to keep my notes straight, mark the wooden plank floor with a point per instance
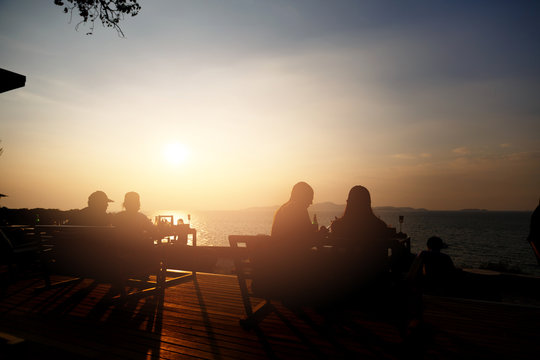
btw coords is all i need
(199, 320)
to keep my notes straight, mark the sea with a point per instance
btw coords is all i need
(476, 239)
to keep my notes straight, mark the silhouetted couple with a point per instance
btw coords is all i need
(354, 269)
(95, 214)
(300, 270)
(135, 231)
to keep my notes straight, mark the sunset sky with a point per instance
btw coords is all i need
(211, 104)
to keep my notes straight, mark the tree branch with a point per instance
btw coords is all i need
(109, 12)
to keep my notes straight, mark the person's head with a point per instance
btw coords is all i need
(359, 201)
(435, 243)
(302, 194)
(132, 201)
(98, 201)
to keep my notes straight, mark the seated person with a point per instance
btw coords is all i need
(131, 219)
(359, 225)
(292, 226)
(96, 212)
(362, 236)
(432, 269)
(286, 264)
(136, 232)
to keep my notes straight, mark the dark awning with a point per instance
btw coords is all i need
(10, 80)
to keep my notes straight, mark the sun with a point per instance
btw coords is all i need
(175, 153)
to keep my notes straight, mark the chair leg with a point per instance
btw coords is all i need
(259, 313)
(161, 276)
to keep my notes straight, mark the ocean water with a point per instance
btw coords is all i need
(475, 238)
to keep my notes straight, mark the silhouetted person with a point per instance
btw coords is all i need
(131, 219)
(437, 266)
(359, 226)
(96, 212)
(363, 235)
(361, 266)
(534, 232)
(286, 265)
(136, 232)
(433, 270)
(292, 225)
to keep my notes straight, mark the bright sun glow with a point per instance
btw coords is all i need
(175, 153)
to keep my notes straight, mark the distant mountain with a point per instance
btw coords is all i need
(338, 208)
(403, 209)
(327, 206)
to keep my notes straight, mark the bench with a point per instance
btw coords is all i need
(19, 250)
(245, 249)
(257, 304)
(103, 253)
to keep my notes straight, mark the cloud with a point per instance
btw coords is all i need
(461, 151)
(533, 156)
(409, 156)
(404, 156)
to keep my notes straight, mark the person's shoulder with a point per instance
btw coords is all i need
(117, 216)
(337, 224)
(286, 210)
(380, 222)
(77, 217)
(286, 207)
(142, 217)
(83, 211)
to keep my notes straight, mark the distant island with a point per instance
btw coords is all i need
(330, 206)
(403, 209)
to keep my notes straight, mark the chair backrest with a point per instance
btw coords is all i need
(15, 236)
(17, 239)
(246, 249)
(6, 245)
(79, 250)
(77, 238)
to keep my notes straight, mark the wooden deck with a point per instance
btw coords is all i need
(199, 320)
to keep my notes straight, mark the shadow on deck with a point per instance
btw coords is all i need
(199, 319)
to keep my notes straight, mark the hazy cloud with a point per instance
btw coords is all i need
(404, 156)
(461, 151)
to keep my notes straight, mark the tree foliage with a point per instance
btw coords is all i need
(109, 12)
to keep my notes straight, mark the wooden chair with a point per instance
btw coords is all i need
(99, 253)
(245, 250)
(18, 248)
